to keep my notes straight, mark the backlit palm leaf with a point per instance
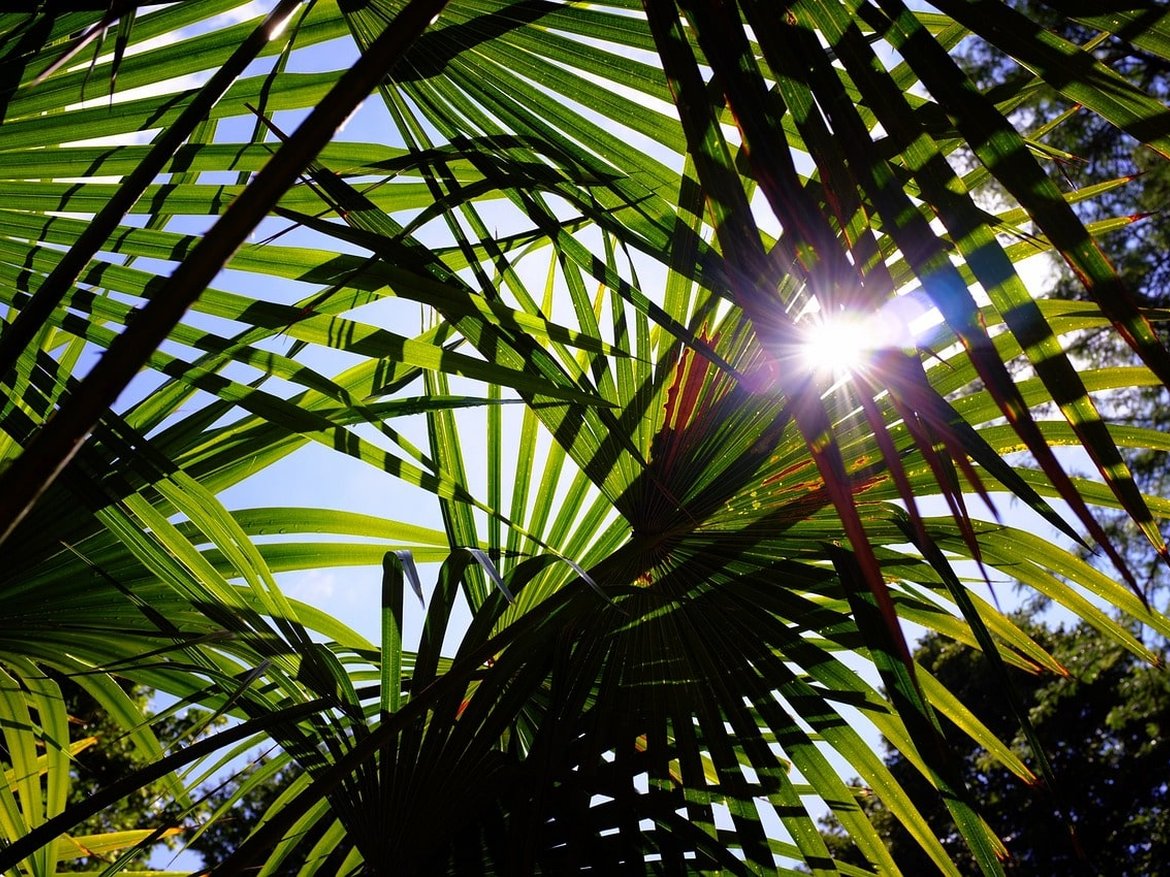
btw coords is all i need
(685, 554)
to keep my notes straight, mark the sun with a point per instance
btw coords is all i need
(841, 342)
(838, 345)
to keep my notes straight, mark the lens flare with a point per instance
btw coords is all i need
(843, 342)
(838, 345)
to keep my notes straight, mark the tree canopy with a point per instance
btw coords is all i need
(1130, 186)
(1104, 728)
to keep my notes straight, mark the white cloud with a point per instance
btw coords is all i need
(314, 586)
(173, 85)
(127, 138)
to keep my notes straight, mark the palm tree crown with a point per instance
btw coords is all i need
(675, 546)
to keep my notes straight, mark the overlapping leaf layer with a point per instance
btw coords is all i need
(676, 560)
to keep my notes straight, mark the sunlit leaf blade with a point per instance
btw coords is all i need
(557, 280)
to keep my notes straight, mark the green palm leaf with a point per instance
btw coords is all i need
(674, 560)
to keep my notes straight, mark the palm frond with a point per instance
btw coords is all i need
(674, 561)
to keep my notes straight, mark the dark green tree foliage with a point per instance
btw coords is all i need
(1106, 729)
(111, 758)
(225, 834)
(1091, 152)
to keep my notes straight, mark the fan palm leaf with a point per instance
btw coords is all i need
(675, 558)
